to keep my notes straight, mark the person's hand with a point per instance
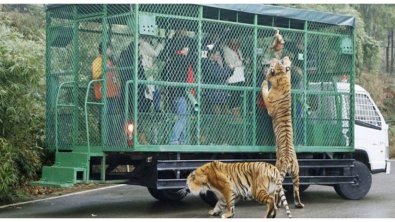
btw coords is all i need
(231, 66)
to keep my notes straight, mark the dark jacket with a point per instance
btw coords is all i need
(177, 71)
(127, 60)
(216, 75)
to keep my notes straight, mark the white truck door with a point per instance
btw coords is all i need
(371, 131)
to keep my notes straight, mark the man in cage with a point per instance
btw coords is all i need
(215, 72)
(112, 92)
(234, 59)
(178, 68)
(127, 61)
(149, 53)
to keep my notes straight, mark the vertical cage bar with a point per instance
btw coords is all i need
(304, 88)
(75, 73)
(49, 105)
(199, 72)
(254, 79)
(352, 93)
(135, 76)
(103, 117)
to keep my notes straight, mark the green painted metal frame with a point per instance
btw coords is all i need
(56, 113)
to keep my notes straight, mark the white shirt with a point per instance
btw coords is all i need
(148, 54)
(233, 60)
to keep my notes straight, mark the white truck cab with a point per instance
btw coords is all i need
(371, 131)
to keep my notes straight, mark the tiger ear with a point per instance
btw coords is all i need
(287, 61)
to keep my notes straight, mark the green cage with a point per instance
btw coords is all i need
(147, 106)
(321, 50)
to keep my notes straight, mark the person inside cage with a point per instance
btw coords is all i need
(149, 53)
(143, 104)
(215, 72)
(112, 91)
(234, 59)
(167, 54)
(178, 68)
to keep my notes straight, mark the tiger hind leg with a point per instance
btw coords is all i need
(295, 181)
(269, 200)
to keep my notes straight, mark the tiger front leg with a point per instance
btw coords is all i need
(265, 96)
(221, 204)
(230, 199)
(271, 208)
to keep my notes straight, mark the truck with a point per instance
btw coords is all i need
(340, 136)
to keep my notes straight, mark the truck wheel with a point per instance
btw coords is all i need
(209, 198)
(290, 188)
(167, 194)
(156, 194)
(360, 186)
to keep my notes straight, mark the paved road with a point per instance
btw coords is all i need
(125, 201)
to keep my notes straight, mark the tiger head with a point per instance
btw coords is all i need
(198, 181)
(278, 71)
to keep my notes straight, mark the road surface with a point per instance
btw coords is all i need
(125, 201)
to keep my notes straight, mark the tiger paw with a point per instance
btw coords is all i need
(214, 213)
(227, 215)
(299, 205)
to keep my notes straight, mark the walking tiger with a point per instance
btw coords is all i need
(233, 181)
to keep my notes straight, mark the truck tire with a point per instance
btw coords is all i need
(361, 185)
(209, 198)
(167, 195)
(155, 193)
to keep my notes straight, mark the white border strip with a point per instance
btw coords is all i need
(66, 195)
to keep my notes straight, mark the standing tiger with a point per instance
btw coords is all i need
(278, 103)
(233, 181)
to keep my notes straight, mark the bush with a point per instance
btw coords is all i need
(18, 167)
(22, 109)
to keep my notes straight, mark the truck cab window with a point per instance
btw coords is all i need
(365, 111)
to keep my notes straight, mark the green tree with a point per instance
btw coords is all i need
(22, 108)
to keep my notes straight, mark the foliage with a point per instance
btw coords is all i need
(22, 108)
(18, 167)
(379, 19)
(28, 19)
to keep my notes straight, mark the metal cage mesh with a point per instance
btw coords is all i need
(188, 98)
